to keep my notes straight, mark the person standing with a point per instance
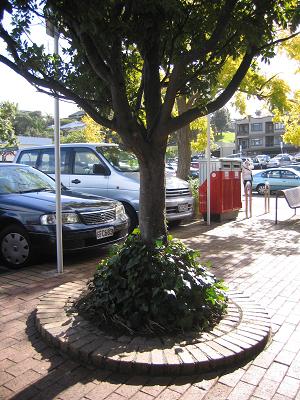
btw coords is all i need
(247, 172)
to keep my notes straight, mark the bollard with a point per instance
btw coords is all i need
(267, 197)
(248, 199)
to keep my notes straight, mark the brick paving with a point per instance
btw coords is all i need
(252, 255)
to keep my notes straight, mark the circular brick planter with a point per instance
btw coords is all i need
(241, 334)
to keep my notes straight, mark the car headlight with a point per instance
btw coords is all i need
(67, 218)
(120, 212)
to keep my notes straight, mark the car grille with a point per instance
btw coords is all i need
(171, 193)
(98, 217)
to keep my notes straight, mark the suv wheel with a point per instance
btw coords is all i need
(15, 247)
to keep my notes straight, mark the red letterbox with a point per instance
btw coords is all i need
(225, 195)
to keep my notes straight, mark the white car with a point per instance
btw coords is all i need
(280, 160)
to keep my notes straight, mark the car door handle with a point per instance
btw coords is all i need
(76, 181)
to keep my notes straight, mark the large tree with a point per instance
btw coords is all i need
(126, 62)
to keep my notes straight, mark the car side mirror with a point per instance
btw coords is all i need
(99, 169)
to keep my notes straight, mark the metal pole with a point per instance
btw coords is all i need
(267, 197)
(59, 247)
(208, 171)
(248, 200)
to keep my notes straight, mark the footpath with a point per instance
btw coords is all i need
(251, 254)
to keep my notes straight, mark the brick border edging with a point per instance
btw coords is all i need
(240, 335)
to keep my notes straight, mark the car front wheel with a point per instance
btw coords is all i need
(15, 247)
(261, 189)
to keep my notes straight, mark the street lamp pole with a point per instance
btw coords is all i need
(59, 246)
(52, 31)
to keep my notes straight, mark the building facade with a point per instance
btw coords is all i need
(260, 135)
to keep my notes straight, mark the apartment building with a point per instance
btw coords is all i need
(260, 135)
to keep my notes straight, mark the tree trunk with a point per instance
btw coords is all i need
(184, 144)
(184, 152)
(152, 215)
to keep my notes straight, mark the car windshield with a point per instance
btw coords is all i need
(21, 179)
(121, 160)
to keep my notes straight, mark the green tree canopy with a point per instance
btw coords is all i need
(291, 121)
(7, 116)
(126, 62)
(220, 120)
(32, 123)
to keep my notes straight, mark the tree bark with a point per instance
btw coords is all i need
(152, 215)
(184, 144)
(184, 152)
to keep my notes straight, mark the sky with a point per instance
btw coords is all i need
(16, 89)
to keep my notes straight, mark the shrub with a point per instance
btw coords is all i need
(153, 291)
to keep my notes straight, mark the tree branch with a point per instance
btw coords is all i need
(277, 41)
(139, 94)
(95, 60)
(196, 112)
(57, 87)
(174, 83)
(221, 25)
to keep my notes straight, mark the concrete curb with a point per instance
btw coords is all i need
(240, 335)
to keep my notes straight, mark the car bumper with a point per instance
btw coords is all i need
(179, 208)
(77, 239)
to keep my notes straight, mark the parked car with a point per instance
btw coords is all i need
(295, 166)
(107, 170)
(279, 160)
(297, 157)
(171, 170)
(260, 161)
(278, 179)
(28, 222)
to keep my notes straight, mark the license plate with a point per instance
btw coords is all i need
(183, 207)
(105, 232)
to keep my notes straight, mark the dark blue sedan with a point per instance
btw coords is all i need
(27, 216)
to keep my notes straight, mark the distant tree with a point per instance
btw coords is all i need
(220, 120)
(32, 123)
(200, 144)
(7, 132)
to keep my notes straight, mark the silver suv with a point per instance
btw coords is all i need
(107, 170)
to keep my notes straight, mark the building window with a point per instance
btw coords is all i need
(256, 142)
(278, 126)
(269, 141)
(256, 127)
(277, 140)
(243, 143)
(269, 127)
(243, 128)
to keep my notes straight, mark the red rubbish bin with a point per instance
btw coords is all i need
(225, 192)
